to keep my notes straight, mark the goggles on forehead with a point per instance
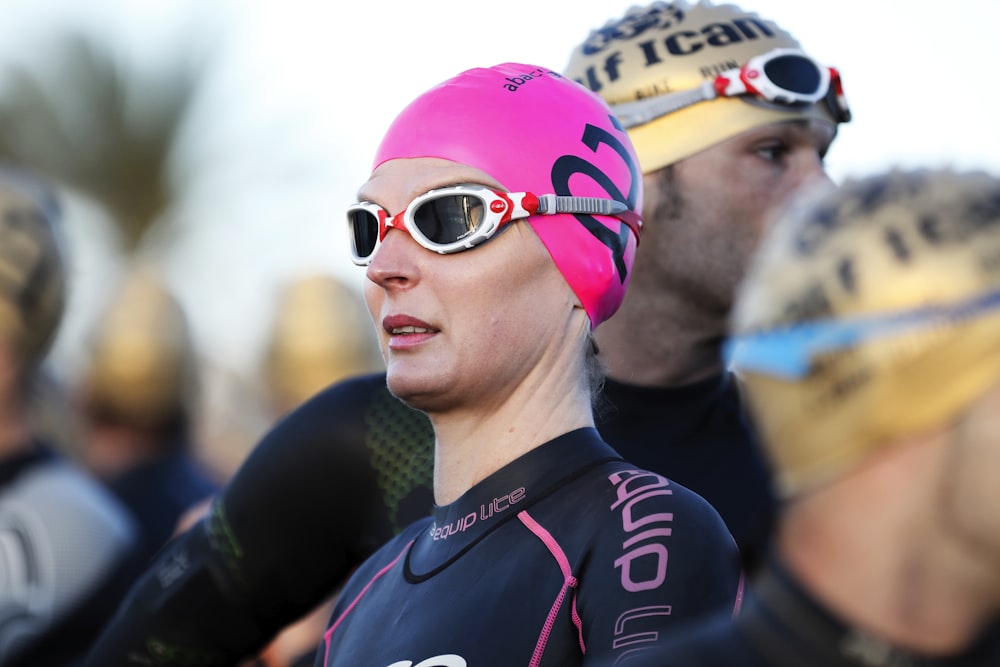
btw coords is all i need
(785, 77)
(456, 218)
(790, 353)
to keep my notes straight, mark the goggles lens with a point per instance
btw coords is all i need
(786, 77)
(457, 218)
(364, 228)
(795, 74)
(449, 219)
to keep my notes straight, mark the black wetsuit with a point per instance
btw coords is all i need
(566, 556)
(697, 435)
(328, 485)
(781, 625)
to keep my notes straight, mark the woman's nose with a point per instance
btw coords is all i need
(396, 259)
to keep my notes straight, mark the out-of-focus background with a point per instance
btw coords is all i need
(220, 140)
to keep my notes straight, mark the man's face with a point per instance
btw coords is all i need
(706, 213)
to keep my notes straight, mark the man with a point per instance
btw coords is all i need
(66, 547)
(867, 334)
(713, 164)
(250, 568)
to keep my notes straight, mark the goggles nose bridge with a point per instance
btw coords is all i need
(388, 221)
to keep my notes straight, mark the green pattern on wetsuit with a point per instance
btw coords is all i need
(222, 537)
(401, 441)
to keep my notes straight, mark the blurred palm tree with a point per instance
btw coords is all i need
(83, 119)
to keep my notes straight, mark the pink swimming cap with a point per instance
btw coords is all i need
(534, 130)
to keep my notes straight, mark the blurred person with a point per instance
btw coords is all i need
(67, 548)
(729, 117)
(138, 399)
(867, 337)
(317, 333)
(320, 334)
(356, 446)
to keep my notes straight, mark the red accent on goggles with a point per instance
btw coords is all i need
(786, 77)
(456, 218)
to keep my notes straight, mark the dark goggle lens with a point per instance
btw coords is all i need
(364, 231)
(449, 219)
(794, 73)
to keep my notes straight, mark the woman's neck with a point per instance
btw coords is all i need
(472, 444)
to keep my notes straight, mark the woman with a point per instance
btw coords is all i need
(544, 548)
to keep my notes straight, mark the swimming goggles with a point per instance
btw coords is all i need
(785, 77)
(459, 217)
(790, 353)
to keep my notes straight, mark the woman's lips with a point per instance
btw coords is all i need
(406, 331)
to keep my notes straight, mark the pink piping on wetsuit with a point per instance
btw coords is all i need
(569, 581)
(356, 600)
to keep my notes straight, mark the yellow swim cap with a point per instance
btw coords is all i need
(871, 312)
(668, 48)
(321, 334)
(32, 267)
(143, 368)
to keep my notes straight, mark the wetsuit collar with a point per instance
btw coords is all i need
(457, 527)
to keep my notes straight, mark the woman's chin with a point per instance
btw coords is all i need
(417, 387)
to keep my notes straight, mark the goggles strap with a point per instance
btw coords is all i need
(835, 99)
(640, 112)
(552, 204)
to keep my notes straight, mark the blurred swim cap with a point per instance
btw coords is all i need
(667, 47)
(32, 266)
(143, 368)
(534, 130)
(321, 334)
(871, 313)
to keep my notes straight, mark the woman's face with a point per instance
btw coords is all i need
(461, 331)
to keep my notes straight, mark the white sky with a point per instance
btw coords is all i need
(300, 91)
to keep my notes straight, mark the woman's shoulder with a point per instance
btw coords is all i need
(632, 492)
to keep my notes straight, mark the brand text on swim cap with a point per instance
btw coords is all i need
(684, 43)
(515, 82)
